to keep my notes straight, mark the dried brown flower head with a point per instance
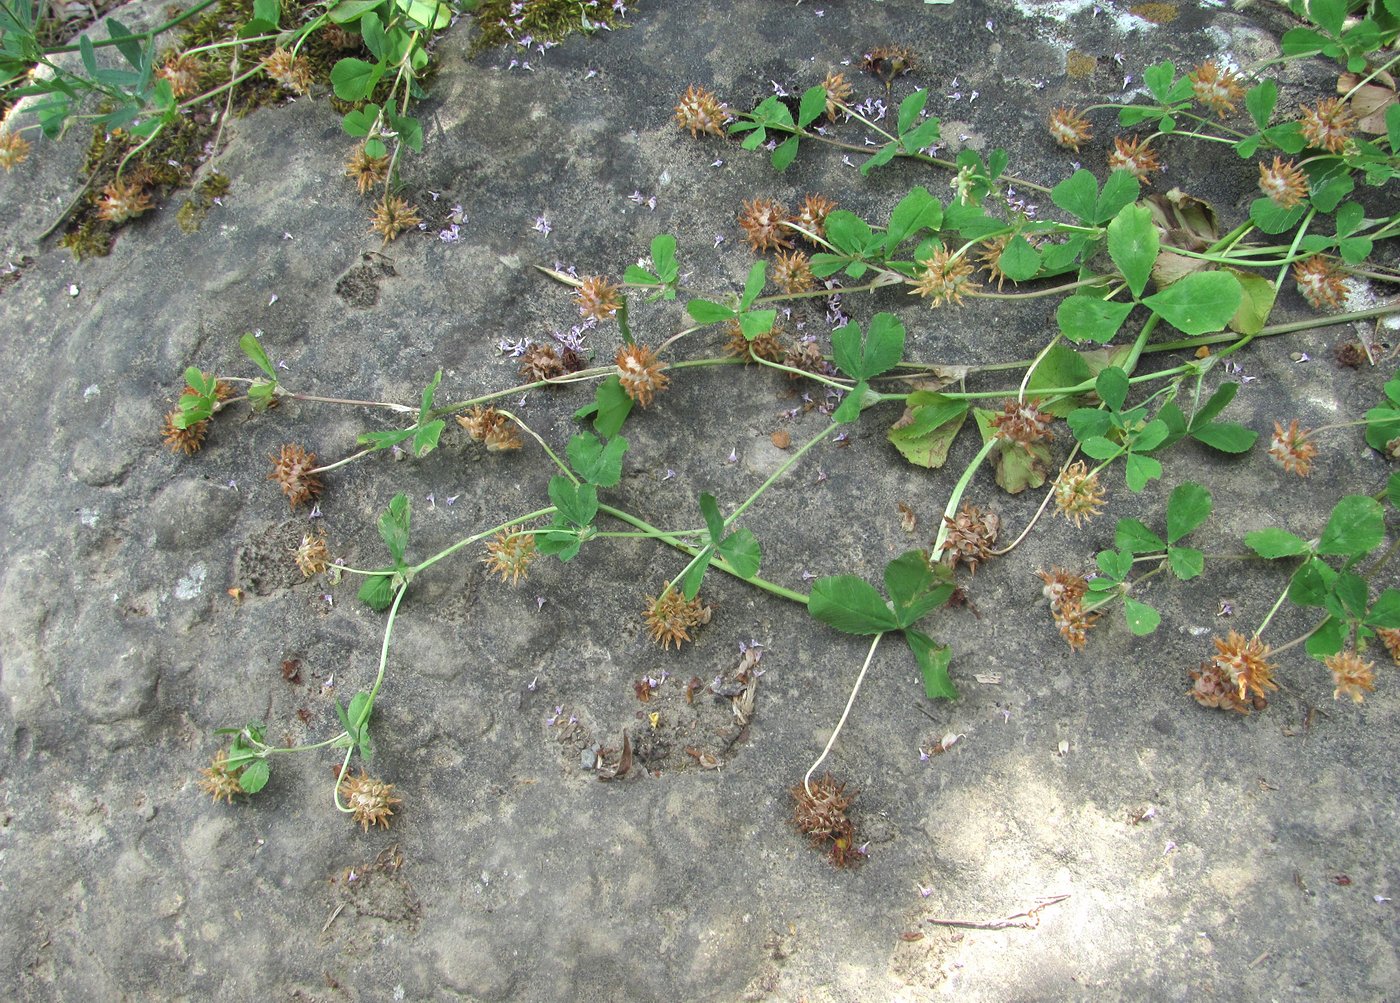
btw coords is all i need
(1351, 675)
(182, 72)
(14, 150)
(509, 555)
(1328, 125)
(819, 812)
(182, 440)
(218, 781)
(1390, 637)
(640, 372)
(392, 216)
(885, 62)
(1218, 89)
(1283, 183)
(989, 258)
(768, 345)
(294, 469)
(1023, 422)
(1350, 354)
(489, 426)
(700, 111)
(838, 89)
(1245, 663)
(312, 555)
(1320, 282)
(1078, 494)
(1074, 624)
(1063, 586)
(1293, 448)
(121, 201)
(1069, 128)
(368, 799)
(598, 299)
(1211, 688)
(792, 272)
(812, 213)
(971, 534)
(807, 356)
(366, 171)
(672, 617)
(1134, 156)
(944, 278)
(291, 71)
(762, 220)
(540, 362)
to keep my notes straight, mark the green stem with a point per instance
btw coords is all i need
(950, 509)
(543, 445)
(850, 702)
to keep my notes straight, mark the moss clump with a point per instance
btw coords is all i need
(197, 206)
(539, 20)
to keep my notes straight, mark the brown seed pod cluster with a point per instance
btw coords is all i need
(819, 812)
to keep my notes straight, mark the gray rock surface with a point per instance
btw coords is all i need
(509, 873)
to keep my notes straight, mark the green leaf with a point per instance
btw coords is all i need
(351, 10)
(1273, 543)
(384, 440)
(1311, 583)
(1226, 436)
(372, 32)
(597, 463)
(849, 408)
(933, 421)
(393, 526)
(1019, 261)
(254, 776)
(1329, 639)
(1302, 42)
(1328, 192)
(1112, 387)
(916, 588)
(1098, 447)
(360, 121)
(705, 312)
(1018, 468)
(1133, 244)
(1260, 101)
(1355, 527)
(1385, 613)
(742, 552)
(1188, 507)
(1062, 366)
(1328, 15)
(1382, 426)
(1088, 318)
(1392, 490)
(714, 521)
(1115, 564)
(609, 409)
(1121, 189)
(409, 129)
(878, 351)
(847, 232)
(1135, 538)
(267, 10)
(916, 211)
(1256, 303)
(1199, 303)
(1271, 217)
(1186, 562)
(909, 110)
(1139, 469)
(851, 605)
(1352, 590)
(663, 257)
(812, 105)
(1158, 77)
(695, 574)
(253, 348)
(1218, 401)
(757, 322)
(428, 13)
(354, 79)
(880, 158)
(1142, 618)
(577, 503)
(377, 592)
(934, 660)
(1077, 195)
(425, 437)
(784, 154)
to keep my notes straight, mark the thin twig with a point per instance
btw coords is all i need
(1028, 919)
(334, 914)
